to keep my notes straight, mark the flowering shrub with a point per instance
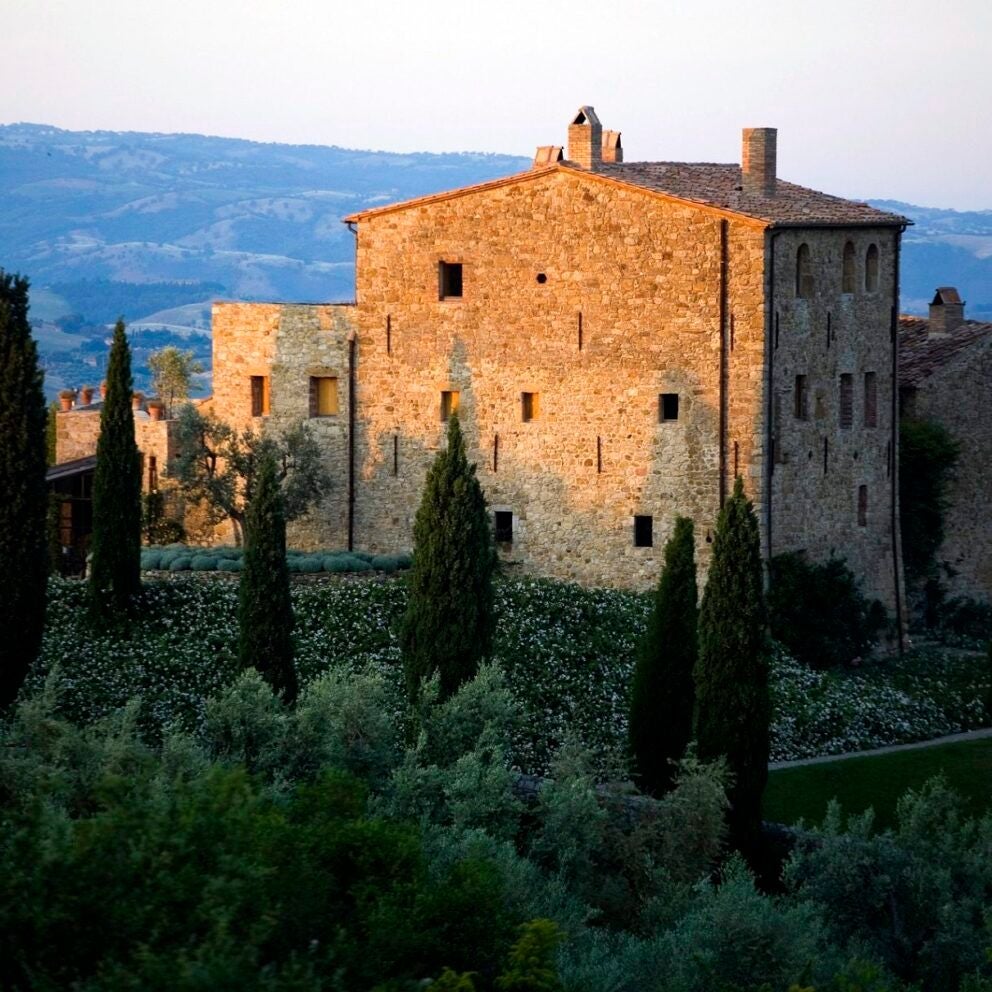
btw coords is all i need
(567, 654)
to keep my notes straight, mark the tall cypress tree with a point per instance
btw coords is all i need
(450, 618)
(662, 693)
(265, 611)
(733, 708)
(23, 499)
(115, 573)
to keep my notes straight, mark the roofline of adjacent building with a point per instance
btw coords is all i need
(572, 170)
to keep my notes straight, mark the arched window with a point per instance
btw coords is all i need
(847, 278)
(871, 269)
(804, 273)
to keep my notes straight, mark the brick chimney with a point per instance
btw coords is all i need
(612, 149)
(758, 160)
(946, 312)
(585, 139)
(547, 155)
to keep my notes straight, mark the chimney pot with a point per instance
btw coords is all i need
(585, 139)
(66, 396)
(136, 400)
(946, 312)
(86, 395)
(758, 160)
(103, 390)
(155, 409)
(612, 149)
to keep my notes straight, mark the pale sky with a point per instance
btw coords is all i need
(872, 98)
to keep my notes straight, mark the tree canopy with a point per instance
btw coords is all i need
(172, 372)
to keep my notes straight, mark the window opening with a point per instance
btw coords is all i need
(804, 273)
(261, 396)
(871, 269)
(801, 398)
(847, 275)
(599, 455)
(396, 454)
(871, 400)
(449, 404)
(731, 332)
(580, 330)
(449, 280)
(826, 455)
(736, 459)
(846, 401)
(495, 452)
(668, 406)
(530, 404)
(643, 532)
(152, 473)
(829, 328)
(323, 396)
(504, 527)
(389, 334)
(542, 278)
(862, 506)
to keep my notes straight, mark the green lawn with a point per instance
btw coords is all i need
(879, 782)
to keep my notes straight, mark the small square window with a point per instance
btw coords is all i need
(530, 406)
(323, 396)
(668, 406)
(261, 396)
(643, 532)
(449, 280)
(449, 404)
(504, 527)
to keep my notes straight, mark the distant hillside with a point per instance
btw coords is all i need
(152, 227)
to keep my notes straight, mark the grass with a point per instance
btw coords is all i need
(879, 781)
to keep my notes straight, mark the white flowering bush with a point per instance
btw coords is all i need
(567, 655)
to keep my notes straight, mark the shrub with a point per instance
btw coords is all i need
(819, 612)
(311, 564)
(229, 564)
(337, 563)
(151, 560)
(385, 563)
(203, 563)
(356, 564)
(181, 563)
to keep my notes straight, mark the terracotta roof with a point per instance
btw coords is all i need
(717, 187)
(920, 355)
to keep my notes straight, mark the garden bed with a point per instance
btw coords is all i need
(568, 654)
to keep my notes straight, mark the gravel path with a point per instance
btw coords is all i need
(968, 735)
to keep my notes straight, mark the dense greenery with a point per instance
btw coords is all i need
(225, 558)
(662, 696)
(449, 621)
(218, 465)
(265, 611)
(927, 454)
(733, 709)
(819, 613)
(115, 577)
(23, 499)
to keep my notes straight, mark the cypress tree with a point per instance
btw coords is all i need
(449, 621)
(115, 573)
(662, 694)
(732, 700)
(23, 499)
(265, 611)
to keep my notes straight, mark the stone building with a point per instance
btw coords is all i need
(945, 368)
(620, 341)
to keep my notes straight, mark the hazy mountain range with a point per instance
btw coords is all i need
(152, 227)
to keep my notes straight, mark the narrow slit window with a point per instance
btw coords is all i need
(801, 398)
(643, 532)
(449, 404)
(804, 273)
(152, 474)
(848, 280)
(862, 506)
(846, 401)
(449, 280)
(530, 406)
(871, 400)
(871, 269)
(504, 527)
(323, 396)
(261, 396)
(668, 406)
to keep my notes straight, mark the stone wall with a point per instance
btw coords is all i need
(819, 465)
(959, 396)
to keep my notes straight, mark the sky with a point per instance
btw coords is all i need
(872, 98)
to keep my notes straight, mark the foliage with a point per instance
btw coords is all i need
(115, 578)
(23, 499)
(927, 455)
(219, 466)
(915, 899)
(818, 611)
(172, 372)
(662, 694)
(531, 964)
(265, 611)
(51, 433)
(156, 526)
(449, 621)
(733, 709)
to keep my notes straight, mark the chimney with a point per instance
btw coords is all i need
(758, 160)
(103, 390)
(612, 149)
(136, 400)
(585, 139)
(66, 396)
(155, 409)
(547, 155)
(86, 394)
(946, 312)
